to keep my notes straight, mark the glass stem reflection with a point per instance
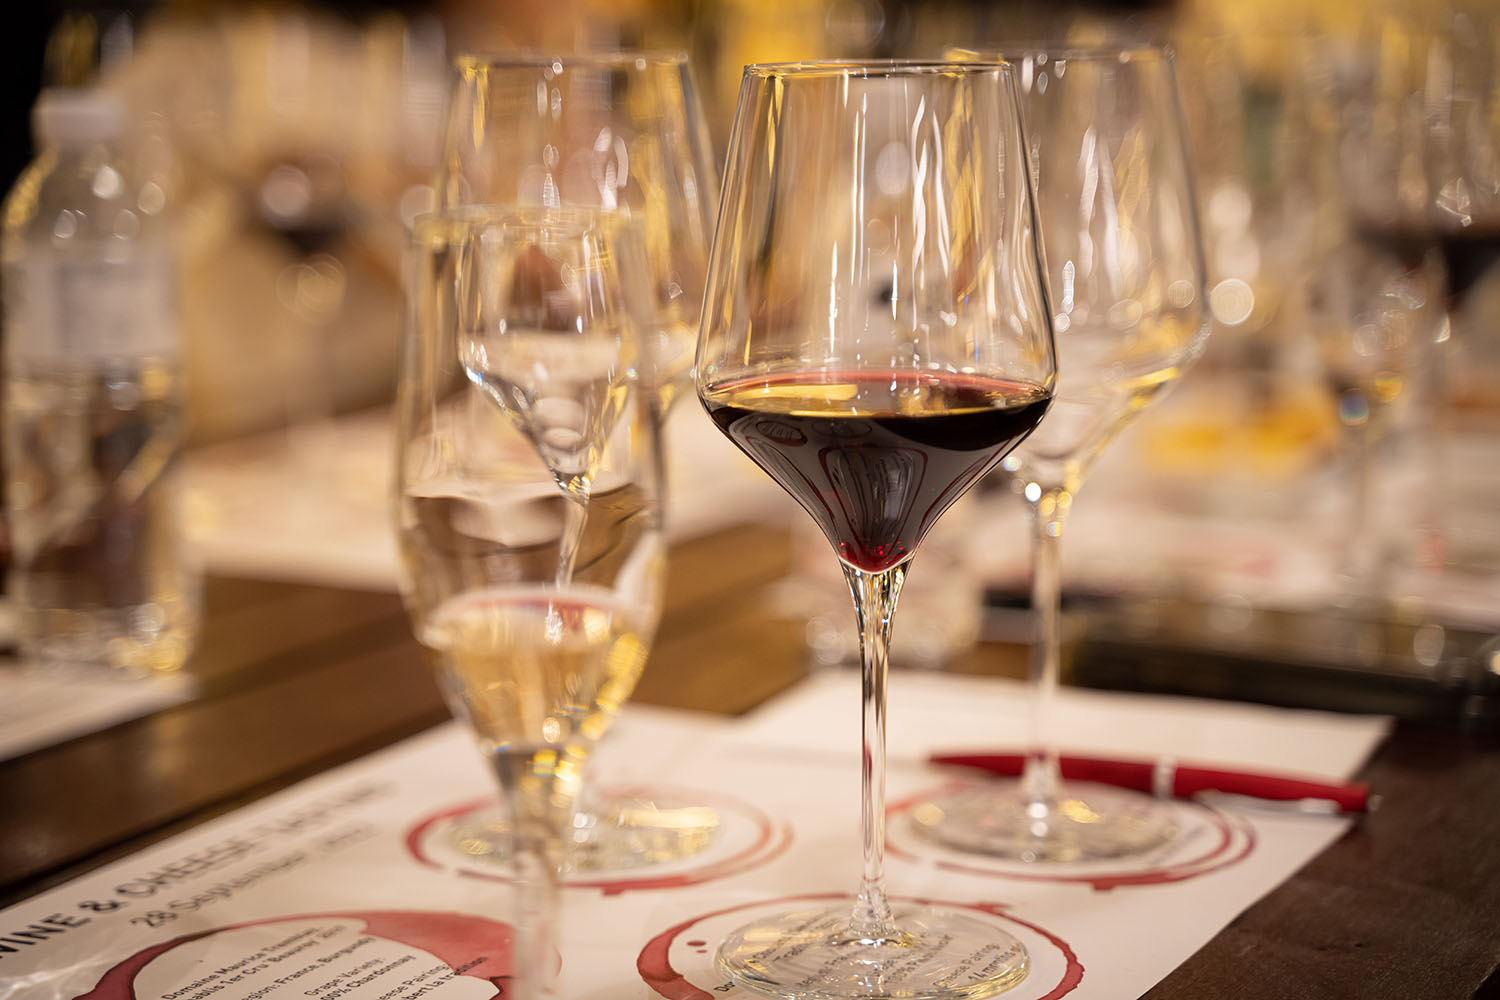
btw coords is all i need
(875, 596)
(538, 805)
(1042, 779)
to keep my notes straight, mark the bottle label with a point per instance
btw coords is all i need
(88, 307)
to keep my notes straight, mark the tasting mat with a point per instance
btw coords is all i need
(354, 884)
(942, 712)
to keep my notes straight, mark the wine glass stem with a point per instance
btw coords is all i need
(575, 518)
(659, 407)
(1365, 555)
(536, 859)
(875, 596)
(1042, 780)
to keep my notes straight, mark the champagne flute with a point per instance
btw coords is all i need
(875, 337)
(1125, 269)
(621, 132)
(518, 386)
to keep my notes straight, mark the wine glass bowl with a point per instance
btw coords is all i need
(1125, 269)
(876, 337)
(528, 510)
(1125, 264)
(616, 131)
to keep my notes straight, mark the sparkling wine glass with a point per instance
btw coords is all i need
(1126, 275)
(875, 337)
(621, 132)
(519, 391)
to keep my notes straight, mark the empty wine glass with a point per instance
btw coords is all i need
(620, 132)
(875, 337)
(1125, 269)
(616, 131)
(518, 394)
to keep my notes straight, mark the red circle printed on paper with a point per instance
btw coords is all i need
(655, 964)
(482, 948)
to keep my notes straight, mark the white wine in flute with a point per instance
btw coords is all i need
(538, 672)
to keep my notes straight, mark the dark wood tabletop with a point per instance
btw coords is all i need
(295, 679)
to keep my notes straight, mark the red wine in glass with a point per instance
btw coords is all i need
(876, 456)
(1468, 251)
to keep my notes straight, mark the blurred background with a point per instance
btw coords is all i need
(1337, 449)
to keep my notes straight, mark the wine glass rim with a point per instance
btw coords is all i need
(871, 68)
(612, 59)
(1062, 52)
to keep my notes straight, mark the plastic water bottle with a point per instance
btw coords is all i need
(93, 418)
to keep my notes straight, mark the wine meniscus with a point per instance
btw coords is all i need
(876, 456)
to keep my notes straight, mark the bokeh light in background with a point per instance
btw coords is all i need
(296, 142)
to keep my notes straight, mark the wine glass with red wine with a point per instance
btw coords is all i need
(876, 337)
(1126, 274)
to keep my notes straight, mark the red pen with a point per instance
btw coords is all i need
(1166, 778)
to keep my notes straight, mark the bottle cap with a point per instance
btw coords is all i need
(73, 116)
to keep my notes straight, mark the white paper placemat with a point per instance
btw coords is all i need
(352, 884)
(941, 712)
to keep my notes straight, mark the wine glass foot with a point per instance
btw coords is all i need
(939, 953)
(615, 835)
(625, 833)
(1093, 823)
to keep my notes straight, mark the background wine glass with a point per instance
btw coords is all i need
(1417, 149)
(1376, 308)
(1126, 274)
(516, 390)
(298, 189)
(875, 337)
(621, 132)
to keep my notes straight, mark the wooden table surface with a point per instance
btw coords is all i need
(296, 679)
